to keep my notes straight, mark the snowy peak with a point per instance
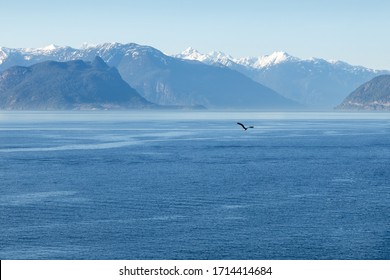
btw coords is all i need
(110, 52)
(215, 57)
(47, 50)
(131, 49)
(273, 59)
(50, 47)
(191, 54)
(212, 58)
(222, 58)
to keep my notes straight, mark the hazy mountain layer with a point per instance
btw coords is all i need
(314, 82)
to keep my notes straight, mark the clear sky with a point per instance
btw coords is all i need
(354, 31)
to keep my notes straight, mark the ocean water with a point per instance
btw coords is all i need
(194, 185)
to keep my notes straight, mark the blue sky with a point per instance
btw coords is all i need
(352, 31)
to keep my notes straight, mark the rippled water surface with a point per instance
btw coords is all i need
(163, 185)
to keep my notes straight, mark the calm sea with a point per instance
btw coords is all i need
(194, 185)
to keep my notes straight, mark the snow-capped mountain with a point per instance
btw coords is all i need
(110, 52)
(266, 60)
(163, 79)
(215, 57)
(8, 56)
(314, 82)
(210, 58)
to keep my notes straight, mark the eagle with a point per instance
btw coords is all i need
(244, 127)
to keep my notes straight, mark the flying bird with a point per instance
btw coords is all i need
(244, 127)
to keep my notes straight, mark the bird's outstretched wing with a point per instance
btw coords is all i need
(251, 127)
(243, 126)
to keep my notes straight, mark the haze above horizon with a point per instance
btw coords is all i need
(350, 31)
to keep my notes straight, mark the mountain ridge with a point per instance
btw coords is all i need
(315, 82)
(163, 79)
(220, 57)
(72, 85)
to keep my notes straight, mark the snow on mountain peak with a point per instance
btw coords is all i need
(3, 55)
(189, 51)
(192, 54)
(213, 57)
(216, 57)
(266, 60)
(274, 58)
(106, 46)
(49, 48)
(220, 55)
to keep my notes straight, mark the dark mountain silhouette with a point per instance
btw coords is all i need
(373, 95)
(75, 84)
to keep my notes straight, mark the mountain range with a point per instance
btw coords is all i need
(316, 83)
(214, 80)
(76, 84)
(163, 79)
